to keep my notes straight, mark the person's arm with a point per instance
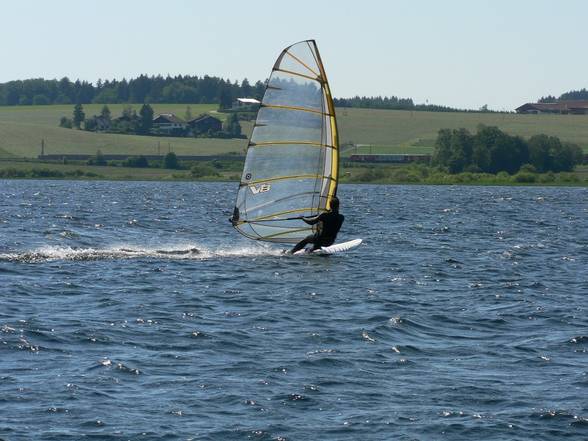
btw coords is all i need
(312, 220)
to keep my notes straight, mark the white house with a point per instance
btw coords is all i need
(168, 122)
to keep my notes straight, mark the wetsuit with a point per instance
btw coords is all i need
(330, 224)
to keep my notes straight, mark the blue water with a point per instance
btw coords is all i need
(462, 317)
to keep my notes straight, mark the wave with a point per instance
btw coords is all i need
(189, 251)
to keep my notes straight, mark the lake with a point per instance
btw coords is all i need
(463, 316)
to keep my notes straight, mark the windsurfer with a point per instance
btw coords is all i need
(329, 224)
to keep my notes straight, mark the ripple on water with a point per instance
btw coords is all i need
(143, 315)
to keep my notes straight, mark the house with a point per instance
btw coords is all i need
(168, 123)
(579, 107)
(205, 124)
(245, 105)
(102, 123)
(125, 117)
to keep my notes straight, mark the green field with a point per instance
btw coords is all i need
(397, 131)
(376, 131)
(23, 127)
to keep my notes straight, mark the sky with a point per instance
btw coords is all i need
(456, 53)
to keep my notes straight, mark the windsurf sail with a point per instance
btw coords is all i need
(292, 163)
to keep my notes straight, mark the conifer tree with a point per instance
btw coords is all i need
(78, 115)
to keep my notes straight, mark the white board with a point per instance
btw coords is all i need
(333, 249)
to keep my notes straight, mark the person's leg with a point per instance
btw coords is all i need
(322, 242)
(303, 243)
(316, 245)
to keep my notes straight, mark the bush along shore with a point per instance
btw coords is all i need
(423, 174)
(230, 170)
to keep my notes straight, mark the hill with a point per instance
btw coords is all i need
(23, 127)
(397, 131)
(379, 131)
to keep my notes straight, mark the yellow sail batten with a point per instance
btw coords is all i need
(301, 109)
(302, 62)
(282, 178)
(282, 233)
(283, 213)
(305, 143)
(297, 74)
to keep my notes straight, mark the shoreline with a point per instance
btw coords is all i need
(230, 171)
(342, 182)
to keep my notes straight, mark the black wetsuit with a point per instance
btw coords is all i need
(330, 225)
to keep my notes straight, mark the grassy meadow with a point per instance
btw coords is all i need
(361, 131)
(23, 127)
(375, 131)
(399, 131)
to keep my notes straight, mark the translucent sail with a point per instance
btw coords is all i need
(292, 162)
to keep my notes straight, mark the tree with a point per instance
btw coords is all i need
(105, 112)
(107, 95)
(98, 159)
(548, 153)
(461, 149)
(146, 119)
(225, 98)
(40, 100)
(496, 151)
(139, 89)
(65, 123)
(78, 115)
(65, 89)
(136, 161)
(188, 114)
(122, 91)
(128, 112)
(490, 150)
(171, 161)
(90, 124)
(246, 88)
(232, 126)
(442, 151)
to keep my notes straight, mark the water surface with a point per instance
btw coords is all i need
(463, 316)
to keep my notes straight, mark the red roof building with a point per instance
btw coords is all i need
(560, 107)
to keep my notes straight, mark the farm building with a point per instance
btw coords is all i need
(561, 107)
(246, 104)
(390, 158)
(102, 123)
(168, 122)
(205, 124)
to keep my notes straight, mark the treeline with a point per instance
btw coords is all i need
(168, 161)
(572, 95)
(153, 89)
(376, 102)
(395, 103)
(42, 173)
(491, 150)
(180, 89)
(198, 169)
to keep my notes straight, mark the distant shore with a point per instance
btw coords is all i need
(416, 174)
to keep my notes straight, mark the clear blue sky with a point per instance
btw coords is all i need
(463, 53)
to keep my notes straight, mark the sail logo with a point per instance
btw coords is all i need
(256, 189)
